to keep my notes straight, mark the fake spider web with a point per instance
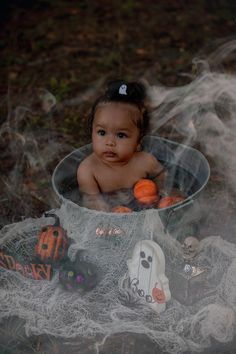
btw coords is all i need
(108, 308)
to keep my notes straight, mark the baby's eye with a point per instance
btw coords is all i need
(121, 135)
(101, 132)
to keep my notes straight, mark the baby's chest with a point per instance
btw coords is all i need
(111, 180)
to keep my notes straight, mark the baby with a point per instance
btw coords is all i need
(118, 121)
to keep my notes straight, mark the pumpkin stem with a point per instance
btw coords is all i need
(57, 220)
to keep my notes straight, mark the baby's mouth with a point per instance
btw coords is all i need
(109, 154)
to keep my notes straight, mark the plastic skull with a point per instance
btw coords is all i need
(190, 247)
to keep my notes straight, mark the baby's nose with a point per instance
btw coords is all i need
(110, 141)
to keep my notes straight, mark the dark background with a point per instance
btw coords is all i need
(70, 49)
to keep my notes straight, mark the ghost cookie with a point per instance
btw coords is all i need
(146, 272)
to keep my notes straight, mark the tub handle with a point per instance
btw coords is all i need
(173, 210)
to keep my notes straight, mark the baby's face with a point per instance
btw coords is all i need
(115, 134)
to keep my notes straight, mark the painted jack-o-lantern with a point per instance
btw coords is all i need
(52, 241)
(158, 295)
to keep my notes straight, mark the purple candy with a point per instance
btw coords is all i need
(79, 278)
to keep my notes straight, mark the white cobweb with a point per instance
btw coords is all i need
(109, 309)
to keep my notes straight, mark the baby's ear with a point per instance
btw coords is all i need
(139, 146)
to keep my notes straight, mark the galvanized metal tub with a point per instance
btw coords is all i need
(187, 168)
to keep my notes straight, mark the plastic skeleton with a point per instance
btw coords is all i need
(191, 247)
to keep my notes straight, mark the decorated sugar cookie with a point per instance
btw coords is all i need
(146, 271)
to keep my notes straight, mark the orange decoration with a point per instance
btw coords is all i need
(52, 242)
(146, 191)
(158, 295)
(170, 200)
(121, 209)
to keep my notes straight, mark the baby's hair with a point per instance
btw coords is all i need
(120, 91)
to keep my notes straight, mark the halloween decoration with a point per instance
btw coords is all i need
(121, 209)
(146, 274)
(52, 242)
(189, 283)
(36, 271)
(102, 231)
(165, 202)
(79, 274)
(189, 279)
(146, 191)
(190, 248)
(192, 271)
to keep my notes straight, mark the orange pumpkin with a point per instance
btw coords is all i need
(170, 200)
(121, 209)
(146, 191)
(52, 242)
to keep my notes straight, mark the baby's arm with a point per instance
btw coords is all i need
(90, 192)
(156, 171)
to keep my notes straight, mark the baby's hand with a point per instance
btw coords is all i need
(94, 201)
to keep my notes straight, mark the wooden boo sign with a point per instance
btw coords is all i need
(36, 271)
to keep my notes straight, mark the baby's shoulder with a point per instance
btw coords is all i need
(89, 160)
(147, 157)
(86, 164)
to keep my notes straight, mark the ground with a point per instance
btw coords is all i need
(67, 50)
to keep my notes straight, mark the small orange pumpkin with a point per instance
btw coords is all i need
(121, 209)
(169, 200)
(52, 241)
(146, 191)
